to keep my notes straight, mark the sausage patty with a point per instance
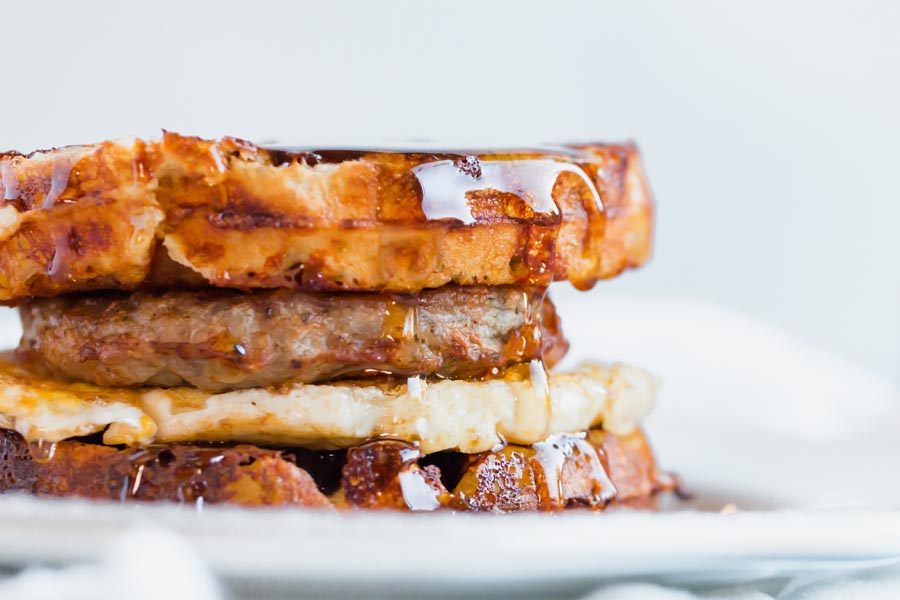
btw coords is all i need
(219, 340)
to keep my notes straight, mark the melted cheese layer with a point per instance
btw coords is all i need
(468, 416)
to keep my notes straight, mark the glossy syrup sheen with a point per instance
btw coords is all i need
(232, 214)
(544, 192)
(546, 461)
(463, 188)
(448, 191)
(449, 179)
(220, 341)
(563, 471)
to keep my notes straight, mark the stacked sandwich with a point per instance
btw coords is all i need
(213, 321)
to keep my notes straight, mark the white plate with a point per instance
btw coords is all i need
(804, 447)
(310, 554)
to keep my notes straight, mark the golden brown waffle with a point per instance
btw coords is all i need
(595, 470)
(186, 211)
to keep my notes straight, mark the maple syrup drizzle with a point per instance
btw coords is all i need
(137, 480)
(418, 495)
(42, 451)
(537, 369)
(449, 180)
(131, 483)
(410, 330)
(10, 181)
(216, 156)
(401, 318)
(539, 380)
(447, 184)
(59, 181)
(603, 485)
(549, 461)
(126, 488)
(189, 487)
(416, 387)
(552, 454)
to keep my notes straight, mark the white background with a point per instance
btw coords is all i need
(770, 129)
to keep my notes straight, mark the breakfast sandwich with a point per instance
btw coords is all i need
(211, 321)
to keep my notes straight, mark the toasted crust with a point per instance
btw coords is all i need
(77, 218)
(183, 210)
(594, 470)
(221, 340)
(244, 475)
(597, 471)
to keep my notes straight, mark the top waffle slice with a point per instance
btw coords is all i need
(183, 211)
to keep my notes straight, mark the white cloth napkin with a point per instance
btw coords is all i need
(746, 410)
(143, 564)
(874, 585)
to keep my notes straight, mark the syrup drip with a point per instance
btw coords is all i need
(409, 454)
(142, 226)
(539, 379)
(603, 485)
(137, 480)
(42, 451)
(552, 454)
(411, 323)
(526, 307)
(59, 181)
(395, 464)
(126, 487)
(418, 495)
(500, 446)
(526, 341)
(10, 182)
(216, 156)
(446, 184)
(131, 483)
(401, 319)
(450, 187)
(57, 264)
(190, 484)
(415, 387)
(138, 169)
